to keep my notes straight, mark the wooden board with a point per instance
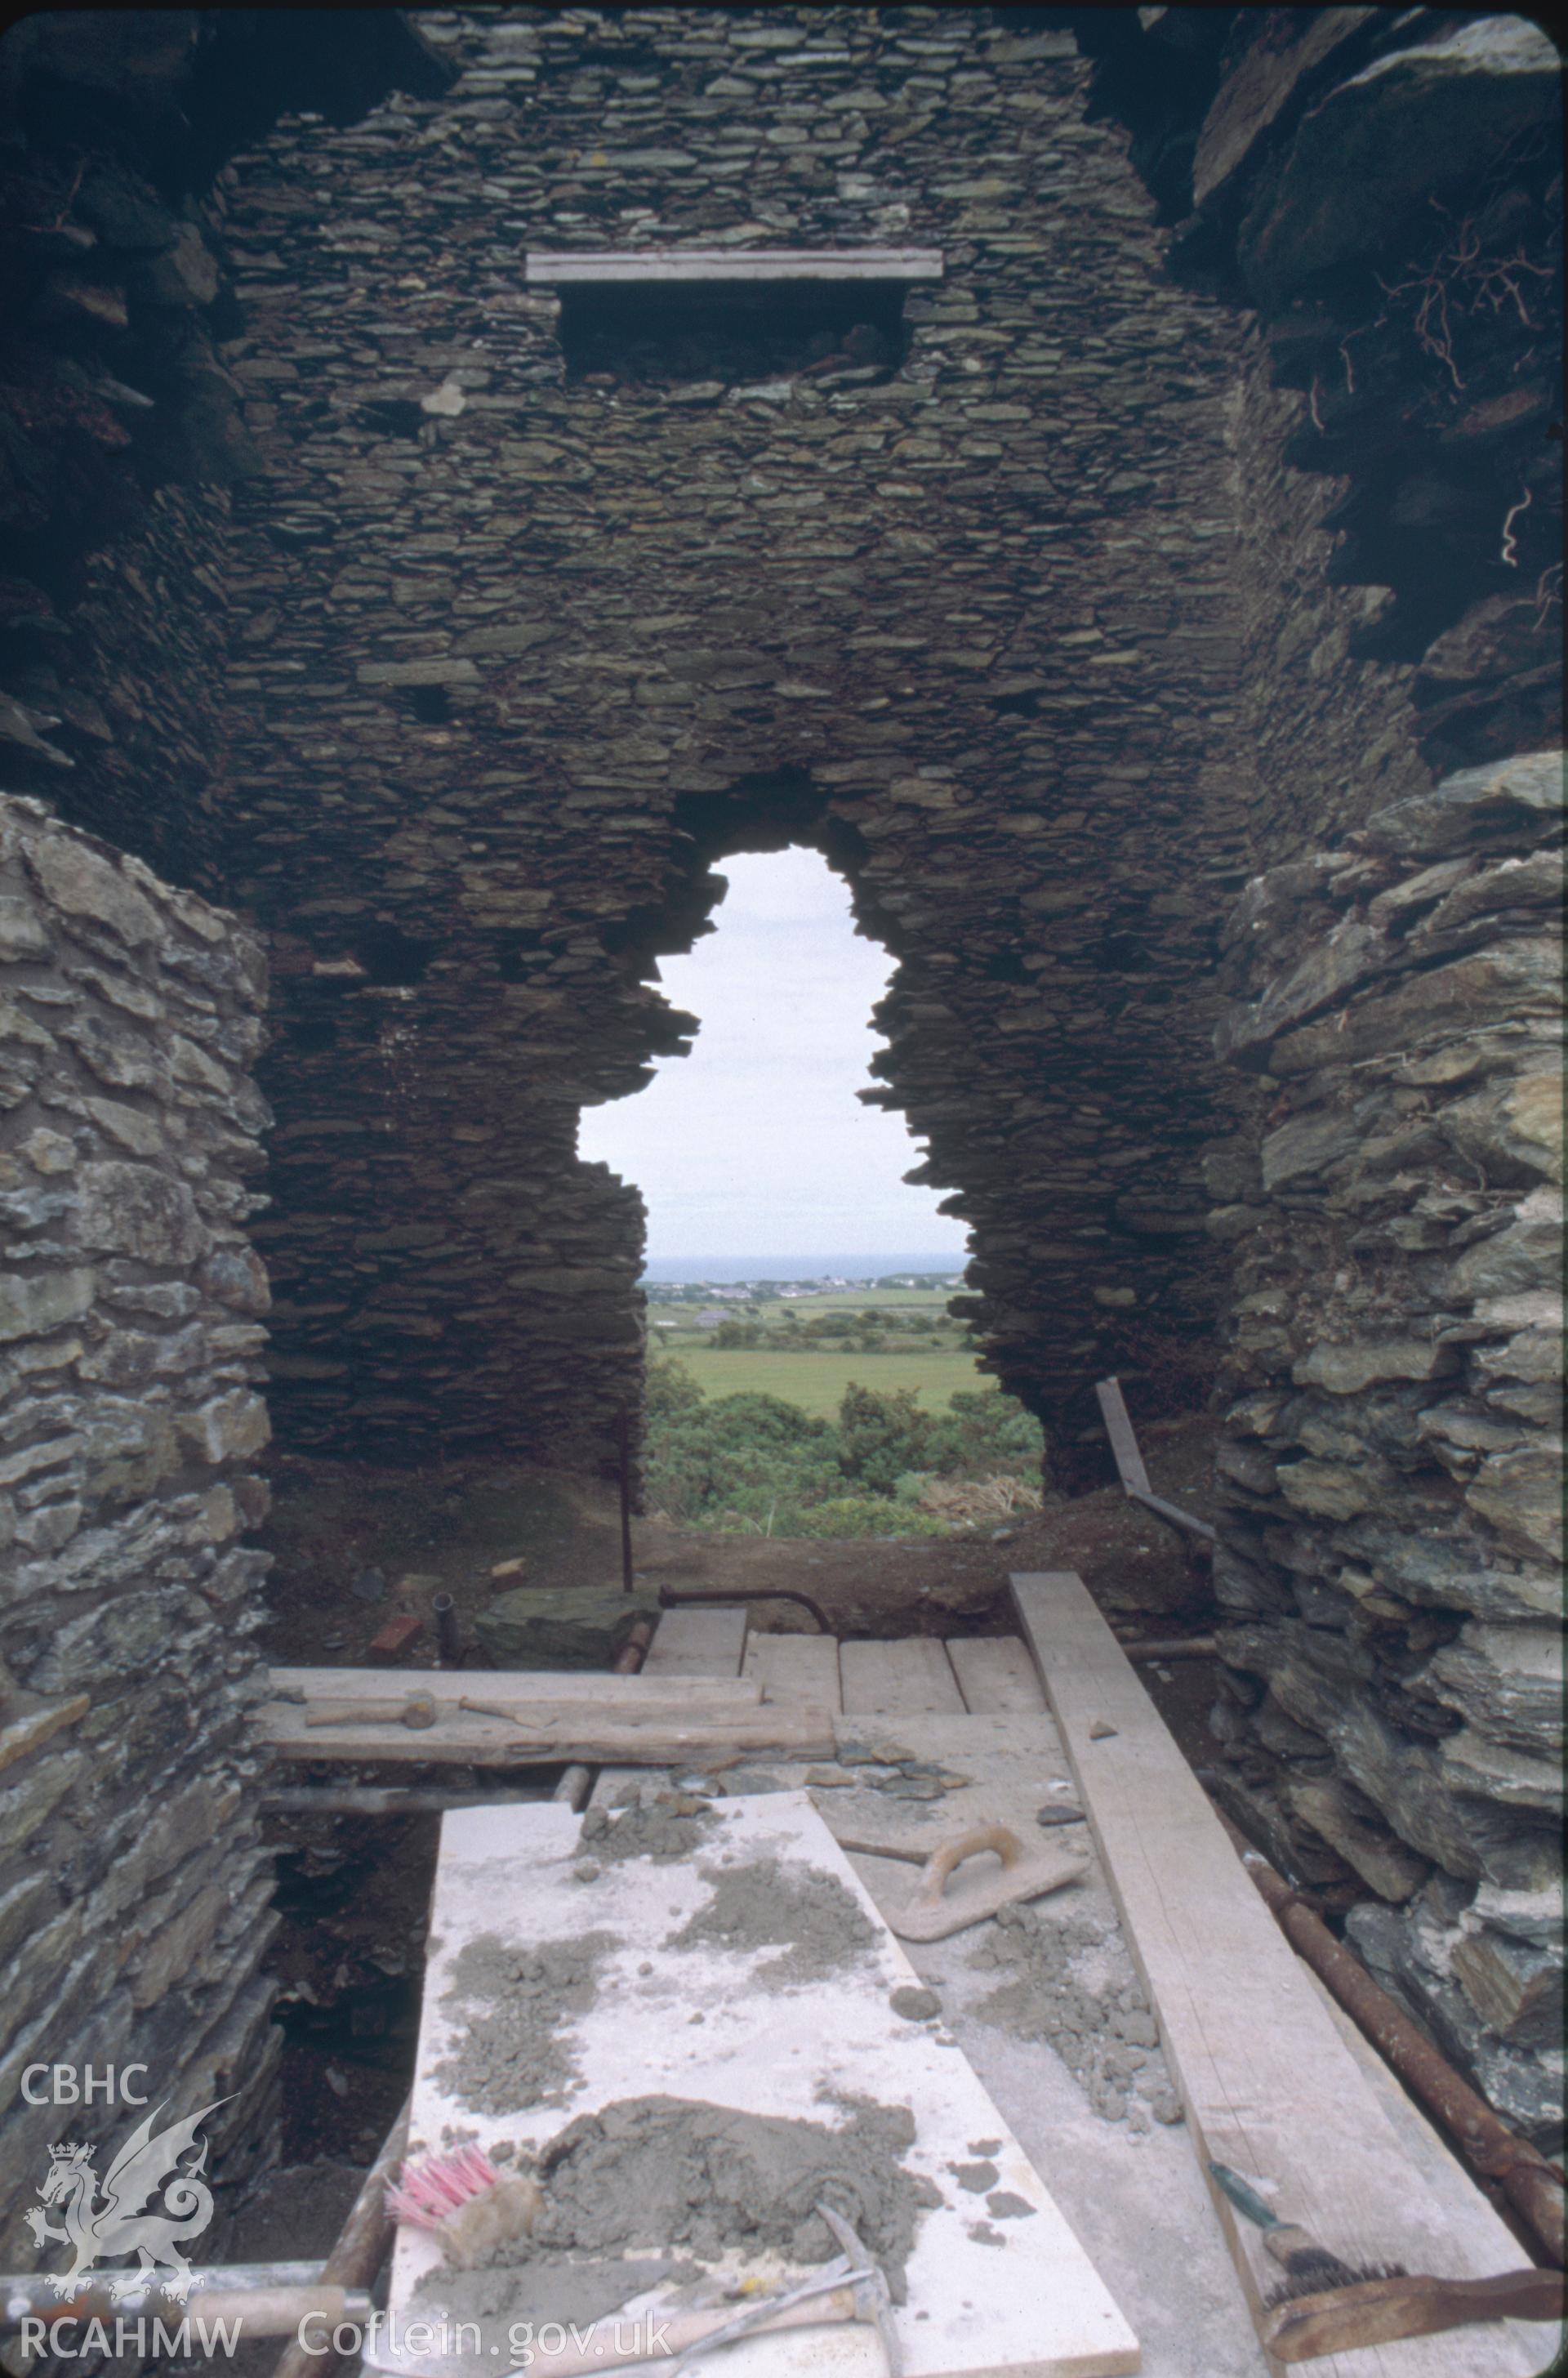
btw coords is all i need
(1011, 1761)
(995, 1672)
(657, 1737)
(911, 1678)
(704, 1646)
(1123, 1443)
(628, 1693)
(570, 267)
(1029, 2306)
(1268, 2084)
(710, 1641)
(795, 1668)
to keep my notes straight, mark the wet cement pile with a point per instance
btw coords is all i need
(677, 2172)
(671, 1825)
(805, 1912)
(511, 1998)
(1069, 1982)
(537, 2288)
(645, 2175)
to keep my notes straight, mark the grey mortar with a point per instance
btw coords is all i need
(540, 2288)
(511, 1997)
(1070, 1981)
(662, 2172)
(670, 1826)
(804, 1911)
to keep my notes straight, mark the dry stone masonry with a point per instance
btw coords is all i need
(1155, 618)
(545, 641)
(1393, 1469)
(133, 1891)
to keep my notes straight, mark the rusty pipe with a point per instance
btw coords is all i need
(578, 1781)
(448, 1634)
(361, 2249)
(669, 1599)
(1533, 2186)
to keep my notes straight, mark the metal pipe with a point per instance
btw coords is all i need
(623, 1448)
(669, 1599)
(577, 1781)
(1533, 2186)
(362, 2245)
(448, 1634)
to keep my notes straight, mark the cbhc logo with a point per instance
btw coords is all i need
(69, 2085)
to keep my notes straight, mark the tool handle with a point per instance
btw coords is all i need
(418, 1711)
(687, 2332)
(942, 1861)
(1381, 2311)
(354, 1713)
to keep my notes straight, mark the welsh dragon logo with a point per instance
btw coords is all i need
(103, 2221)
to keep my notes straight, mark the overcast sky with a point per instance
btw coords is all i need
(756, 1143)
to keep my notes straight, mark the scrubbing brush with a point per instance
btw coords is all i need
(1326, 2307)
(469, 2205)
(1310, 2269)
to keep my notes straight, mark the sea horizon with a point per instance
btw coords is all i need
(690, 1270)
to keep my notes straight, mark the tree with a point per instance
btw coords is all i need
(881, 1436)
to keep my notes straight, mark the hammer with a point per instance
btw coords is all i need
(418, 1711)
(850, 2288)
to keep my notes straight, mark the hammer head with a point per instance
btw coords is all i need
(873, 2301)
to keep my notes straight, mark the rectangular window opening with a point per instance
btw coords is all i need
(685, 315)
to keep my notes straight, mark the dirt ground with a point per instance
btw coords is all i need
(444, 1529)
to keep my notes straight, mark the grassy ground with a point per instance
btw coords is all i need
(817, 1381)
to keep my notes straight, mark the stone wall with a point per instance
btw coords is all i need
(1392, 1472)
(133, 1888)
(1390, 1720)
(520, 653)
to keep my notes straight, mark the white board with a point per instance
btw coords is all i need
(1031, 2307)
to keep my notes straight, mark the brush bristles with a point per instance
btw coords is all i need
(1317, 2275)
(431, 2188)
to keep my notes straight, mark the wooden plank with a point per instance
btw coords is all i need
(911, 1678)
(1174, 1513)
(1267, 2082)
(1024, 2301)
(1010, 1763)
(522, 1688)
(705, 1641)
(566, 268)
(795, 1668)
(994, 1673)
(1123, 1443)
(791, 1731)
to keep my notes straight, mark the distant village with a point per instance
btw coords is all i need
(747, 1291)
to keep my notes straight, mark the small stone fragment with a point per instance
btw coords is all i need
(915, 2004)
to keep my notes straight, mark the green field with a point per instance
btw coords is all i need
(816, 1381)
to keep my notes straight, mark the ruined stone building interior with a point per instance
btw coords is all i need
(1093, 475)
